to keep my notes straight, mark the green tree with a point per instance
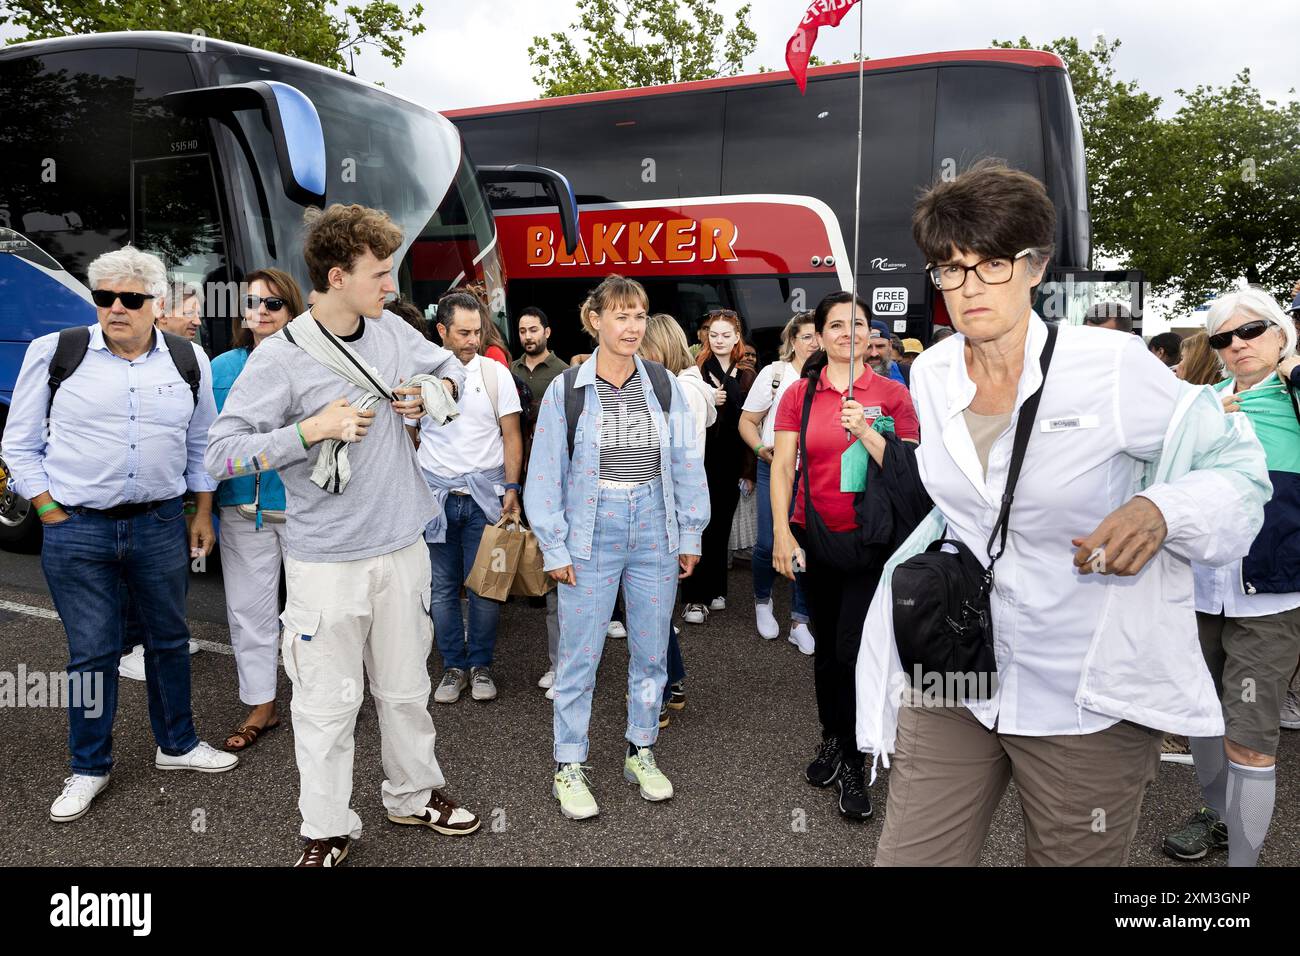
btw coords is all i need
(1196, 200)
(313, 30)
(617, 44)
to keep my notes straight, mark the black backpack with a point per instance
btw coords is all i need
(660, 380)
(74, 342)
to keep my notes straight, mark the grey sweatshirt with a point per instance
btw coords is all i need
(387, 503)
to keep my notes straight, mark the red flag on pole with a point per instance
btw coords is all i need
(820, 13)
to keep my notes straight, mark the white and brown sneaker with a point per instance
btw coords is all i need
(329, 851)
(443, 815)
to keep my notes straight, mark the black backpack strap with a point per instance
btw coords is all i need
(574, 399)
(661, 380)
(1025, 425)
(68, 354)
(183, 357)
(803, 444)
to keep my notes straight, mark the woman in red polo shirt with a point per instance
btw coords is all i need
(838, 596)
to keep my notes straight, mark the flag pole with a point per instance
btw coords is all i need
(857, 213)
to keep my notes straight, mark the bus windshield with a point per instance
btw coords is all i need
(381, 152)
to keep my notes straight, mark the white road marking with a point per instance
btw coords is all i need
(49, 615)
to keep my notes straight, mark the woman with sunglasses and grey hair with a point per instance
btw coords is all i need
(1248, 613)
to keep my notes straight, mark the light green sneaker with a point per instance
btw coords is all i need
(573, 792)
(641, 769)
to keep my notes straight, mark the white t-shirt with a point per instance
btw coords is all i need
(473, 441)
(764, 396)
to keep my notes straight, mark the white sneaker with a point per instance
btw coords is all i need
(616, 630)
(132, 665)
(79, 791)
(550, 693)
(204, 758)
(767, 626)
(1290, 716)
(802, 638)
(695, 614)
(548, 679)
(718, 604)
(194, 648)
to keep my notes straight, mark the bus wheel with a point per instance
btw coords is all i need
(20, 529)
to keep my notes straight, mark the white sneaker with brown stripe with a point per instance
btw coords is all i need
(443, 815)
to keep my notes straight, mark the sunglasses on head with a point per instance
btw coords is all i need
(273, 303)
(104, 298)
(1246, 331)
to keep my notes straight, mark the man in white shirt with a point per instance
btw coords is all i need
(472, 465)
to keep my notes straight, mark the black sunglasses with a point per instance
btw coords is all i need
(104, 298)
(1246, 331)
(273, 303)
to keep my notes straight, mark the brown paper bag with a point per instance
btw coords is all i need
(530, 579)
(497, 560)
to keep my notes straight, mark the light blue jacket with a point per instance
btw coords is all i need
(560, 495)
(226, 367)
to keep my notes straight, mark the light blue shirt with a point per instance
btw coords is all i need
(120, 431)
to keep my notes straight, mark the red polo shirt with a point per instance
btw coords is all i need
(880, 397)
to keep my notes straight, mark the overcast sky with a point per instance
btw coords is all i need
(477, 53)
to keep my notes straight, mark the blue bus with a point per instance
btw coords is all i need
(207, 153)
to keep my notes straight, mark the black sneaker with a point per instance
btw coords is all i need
(825, 768)
(1201, 834)
(665, 718)
(855, 802)
(677, 696)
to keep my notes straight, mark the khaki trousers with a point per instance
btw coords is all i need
(339, 617)
(1080, 795)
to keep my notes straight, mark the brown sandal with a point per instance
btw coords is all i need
(248, 735)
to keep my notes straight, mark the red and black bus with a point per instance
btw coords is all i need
(738, 192)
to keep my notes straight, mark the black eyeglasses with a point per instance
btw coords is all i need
(273, 303)
(995, 270)
(104, 298)
(1246, 331)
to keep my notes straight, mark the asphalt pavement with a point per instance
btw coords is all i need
(735, 755)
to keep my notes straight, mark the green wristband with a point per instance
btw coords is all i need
(46, 508)
(301, 437)
(758, 449)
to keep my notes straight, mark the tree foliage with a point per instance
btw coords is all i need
(617, 44)
(1198, 200)
(313, 30)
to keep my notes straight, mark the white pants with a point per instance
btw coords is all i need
(341, 615)
(250, 565)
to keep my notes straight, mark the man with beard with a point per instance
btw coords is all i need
(880, 357)
(538, 365)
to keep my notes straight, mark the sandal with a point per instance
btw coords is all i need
(248, 735)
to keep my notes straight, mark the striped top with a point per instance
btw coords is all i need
(629, 439)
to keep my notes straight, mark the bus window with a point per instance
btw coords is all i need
(667, 149)
(513, 136)
(988, 111)
(67, 152)
(767, 303)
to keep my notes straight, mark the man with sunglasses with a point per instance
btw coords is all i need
(125, 442)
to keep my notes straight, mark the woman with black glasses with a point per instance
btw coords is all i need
(251, 511)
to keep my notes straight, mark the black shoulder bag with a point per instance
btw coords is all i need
(943, 620)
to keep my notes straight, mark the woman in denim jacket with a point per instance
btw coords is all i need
(629, 506)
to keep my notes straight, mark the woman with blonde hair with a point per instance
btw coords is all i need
(1197, 362)
(619, 501)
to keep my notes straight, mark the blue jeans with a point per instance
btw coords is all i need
(86, 561)
(761, 563)
(451, 562)
(629, 547)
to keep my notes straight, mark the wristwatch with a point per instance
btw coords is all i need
(513, 486)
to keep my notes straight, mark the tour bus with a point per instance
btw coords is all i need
(207, 153)
(739, 192)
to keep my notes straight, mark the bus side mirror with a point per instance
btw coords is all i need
(556, 186)
(289, 115)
